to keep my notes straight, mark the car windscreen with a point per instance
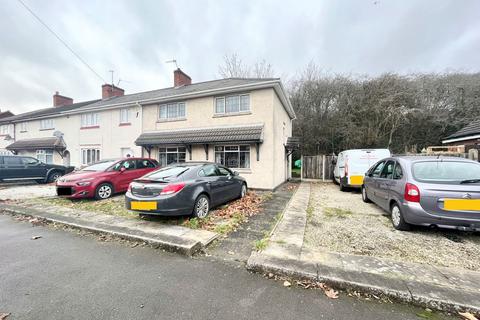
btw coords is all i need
(445, 171)
(100, 166)
(167, 173)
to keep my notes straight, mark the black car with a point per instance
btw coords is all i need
(14, 168)
(185, 189)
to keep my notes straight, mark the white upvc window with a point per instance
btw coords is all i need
(46, 156)
(90, 155)
(169, 155)
(46, 124)
(90, 119)
(5, 129)
(232, 104)
(233, 156)
(23, 127)
(124, 115)
(171, 111)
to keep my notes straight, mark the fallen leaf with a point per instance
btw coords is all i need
(4, 315)
(231, 253)
(286, 283)
(34, 238)
(332, 294)
(466, 315)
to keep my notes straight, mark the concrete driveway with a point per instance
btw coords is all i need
(21, 191)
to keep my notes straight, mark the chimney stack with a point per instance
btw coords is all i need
(109, 91)
(180, 78)
(59, 100)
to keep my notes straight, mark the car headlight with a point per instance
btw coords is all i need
(84, 182)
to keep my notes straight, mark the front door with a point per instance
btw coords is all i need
(370, 181)
(230, 189)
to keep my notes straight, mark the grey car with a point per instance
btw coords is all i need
(427, 191)
(185, 189)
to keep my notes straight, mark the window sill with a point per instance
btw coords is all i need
(124, 124)
(91, 127)
(171, 120)
(46, 129)
(23, 131)
(220, 115)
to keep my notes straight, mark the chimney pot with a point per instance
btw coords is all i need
(109, 91)
(59, 100)
(180, 78)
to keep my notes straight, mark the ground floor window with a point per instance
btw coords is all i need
(171, 155)
(233, 156)
(90, 156)
(46, 156)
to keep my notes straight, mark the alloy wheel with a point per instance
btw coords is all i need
(105, 192)
(364, 194)
(201, 208)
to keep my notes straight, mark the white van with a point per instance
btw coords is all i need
(352, 164)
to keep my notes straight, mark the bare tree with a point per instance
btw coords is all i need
(234, 67)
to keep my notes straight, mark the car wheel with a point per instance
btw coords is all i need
(53, 176)
(342, 187)
(243, 190)
(201, 207)
(103, 191)
(398, 221)
(364, 195)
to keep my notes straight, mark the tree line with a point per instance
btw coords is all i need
(404, 113)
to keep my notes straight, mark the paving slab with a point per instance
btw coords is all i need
(169, 237)
(440, 288)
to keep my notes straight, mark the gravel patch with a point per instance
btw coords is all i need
(342, 222)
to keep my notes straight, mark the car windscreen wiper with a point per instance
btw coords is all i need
(470, 181)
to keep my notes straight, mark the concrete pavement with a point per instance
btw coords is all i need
(425, 285)
(64, 275)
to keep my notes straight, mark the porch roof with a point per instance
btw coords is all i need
(230, 134)
(55, 143)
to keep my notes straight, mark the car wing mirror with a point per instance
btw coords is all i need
(235, 173)
(122, 169)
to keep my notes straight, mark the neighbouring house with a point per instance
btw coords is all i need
(243, 123)
(6, 133)
(468, 137)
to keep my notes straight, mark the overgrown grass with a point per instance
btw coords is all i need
(261, 244)
(336, 213)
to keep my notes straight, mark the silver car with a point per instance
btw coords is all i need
(426, 191)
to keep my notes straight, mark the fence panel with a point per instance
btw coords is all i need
(317, 167)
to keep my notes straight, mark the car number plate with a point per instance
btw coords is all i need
(356, 180)
(143, 205)
(462, 204)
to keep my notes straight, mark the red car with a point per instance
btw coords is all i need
(103, 179)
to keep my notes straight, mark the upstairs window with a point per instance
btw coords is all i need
(46, 124)
(90, 120)
(124, 115)
(232, 104)
(172, 111)
(23, 127)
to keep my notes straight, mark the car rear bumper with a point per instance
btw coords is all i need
(165, 206)
(73, 191)
(415, 214)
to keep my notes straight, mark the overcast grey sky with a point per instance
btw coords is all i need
(135, 38)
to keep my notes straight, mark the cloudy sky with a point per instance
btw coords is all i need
(135, 38)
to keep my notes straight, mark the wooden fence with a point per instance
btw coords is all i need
(317, 167)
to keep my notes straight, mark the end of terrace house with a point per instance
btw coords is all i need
(242, 123)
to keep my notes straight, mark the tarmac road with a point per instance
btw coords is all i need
(65, 275)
